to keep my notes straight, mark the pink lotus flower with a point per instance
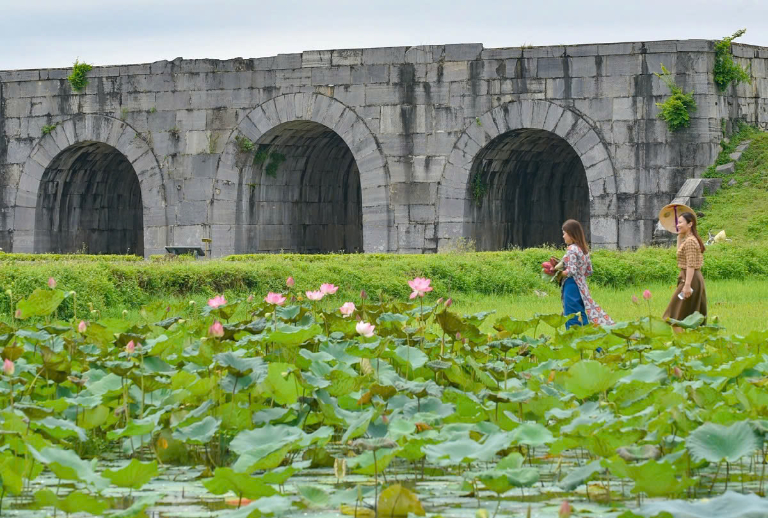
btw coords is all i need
(217, 301)
(565, 510)
(290, 282)
(448, 303)
(51, 282)
(274, 298)
(8, 367)
(635, 300)
(678, 372)
(347, 308)
(328, 289)
(647, 295)
(82, 326)
(216, 330)
(420, 287)
(365, 329)
(130, 348)
(315, 295)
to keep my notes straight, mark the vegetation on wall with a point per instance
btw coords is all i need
(79, 76)
(272, 160)
(48, 128)
(676, 110)
(478, 187)
(726, 70)
(244, 144)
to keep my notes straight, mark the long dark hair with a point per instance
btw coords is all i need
(690, 218)
(576, 232)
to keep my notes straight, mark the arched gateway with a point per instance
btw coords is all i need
(519, 171)
(314, 180)
(91, 184)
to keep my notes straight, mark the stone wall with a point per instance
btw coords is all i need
(379, 145)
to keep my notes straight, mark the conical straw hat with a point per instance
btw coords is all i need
(669, 214)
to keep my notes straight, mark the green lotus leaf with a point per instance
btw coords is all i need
(242, 484)
(313, 495)
(586, 378)
(66, 465)
(198, 433)
(239, 366)
(532, 434)
(412, 356)
(579, 476)
(717, 443)
(137, 508)
(658, 478)
(74, 502)
(134, 475)
(60, 428)
(136, 427)
(41, 303)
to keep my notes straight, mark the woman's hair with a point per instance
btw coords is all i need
(690, 218)
(576, 232)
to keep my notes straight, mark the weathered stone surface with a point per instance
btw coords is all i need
(400, 149)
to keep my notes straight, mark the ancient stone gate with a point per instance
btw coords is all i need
(401, 149)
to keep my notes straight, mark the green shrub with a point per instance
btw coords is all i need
(79, 76)
(126, 283)
(676, 110)
(726, 70)
(244, 144)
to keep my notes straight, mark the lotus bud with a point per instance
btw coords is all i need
(18, 313)
(635, 300)
(125, 313)
(51, 282)
(216, 330)
(8, 367)
(363, 295)
(82, 327)
(250, 298)
(290, 282)
(448, 303)
(647, 295)
(130, 348)
(565, 510)
(458, 335)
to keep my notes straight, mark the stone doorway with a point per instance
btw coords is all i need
(522, 185)
(300, 192)
(89, 201)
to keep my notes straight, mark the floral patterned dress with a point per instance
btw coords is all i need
(579, 267)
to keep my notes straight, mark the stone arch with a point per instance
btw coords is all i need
(528, 118)
(305, 116)
(92, 136)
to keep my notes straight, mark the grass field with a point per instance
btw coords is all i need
(740, 306)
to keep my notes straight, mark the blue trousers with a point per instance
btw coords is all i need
(572, 303)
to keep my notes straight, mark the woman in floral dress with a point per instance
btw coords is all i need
(576, 268)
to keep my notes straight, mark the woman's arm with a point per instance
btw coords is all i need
(570, 261)
(688, 279)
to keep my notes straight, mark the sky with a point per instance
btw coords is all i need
(53, 33)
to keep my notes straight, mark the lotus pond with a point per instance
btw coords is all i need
(278, 406)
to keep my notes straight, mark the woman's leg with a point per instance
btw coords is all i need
(572, 303)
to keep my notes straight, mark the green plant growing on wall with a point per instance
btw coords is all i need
(726, 70)
(478, 187)
(79, 76)
(213, 140)
(275, 159)
(244, 144)
(261, 155)
(676, 110)
(48, 128)
(175, 132)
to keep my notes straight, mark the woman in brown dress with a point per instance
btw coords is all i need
(690, 295)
